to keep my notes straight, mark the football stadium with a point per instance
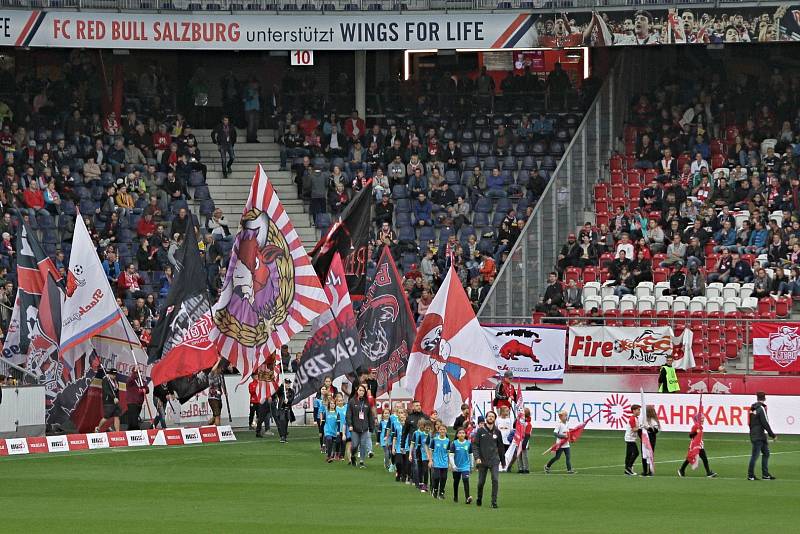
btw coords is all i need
(399, 265)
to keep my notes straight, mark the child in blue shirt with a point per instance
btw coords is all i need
(440, 447)
(419, 452)
(461, 463)
(331, 430)
(344, 432)
(400, 448)
(319, 415)
(384, 435)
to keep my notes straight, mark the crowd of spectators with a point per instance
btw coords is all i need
(445, 184)
(128, 176)
(703, 190)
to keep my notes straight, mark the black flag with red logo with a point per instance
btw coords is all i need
(385, 324)
(349, 236)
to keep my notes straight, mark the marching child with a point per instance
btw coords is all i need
(400, 448)
(697, 427)
(461, 463)
(341, 416)
(419, 452)
(440, 449)
(331, 428)
(384, 433)
(631, 433)
(561, 431)
(319, 415)
(651, 426)
(524, 466)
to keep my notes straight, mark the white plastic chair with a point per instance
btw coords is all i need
(591, 289)
(646, 304)
(731, 305)
(680, 304)
(664, 303)
(593, 301)
(746, 291)
(610, 303)
(731, 290)
(660, 289)
(627, 302)
(714, 290)
(750, 303)
(644, 289)
(697, 304)
(714, 304)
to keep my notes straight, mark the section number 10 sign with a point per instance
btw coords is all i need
(302, 58)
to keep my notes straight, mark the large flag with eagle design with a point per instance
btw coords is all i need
(451, 355)
(271, 291)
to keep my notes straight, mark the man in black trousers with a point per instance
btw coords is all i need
(759, 430)
(490, 454)
(283, 409)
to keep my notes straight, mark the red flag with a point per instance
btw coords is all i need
(195, 352)
(574, 434)
(648, 454)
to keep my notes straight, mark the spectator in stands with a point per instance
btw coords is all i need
(174, 187)
(111, 267)
(52, 200)
(34, 200)
(695, 281)
(354, 127)
(217, 225)
(667, 165)
(338, 199)
(722, 268)
(757, 244)
(444, 197)
(422, 211)
(460, 212)
(676, 253)
(587, 251)
(569, 254)
(694, 252)
(418, 182)
(742, 272)
(292, 146)
(725, 238)
(762, 284)
(625, 282)
(335, 144)
(319, 193)
(252, 108)
(476, 292)
(451, 155)
(573, 296)
(496, 185)
(224, 136)
(487, 268)
(646, 154)
(622, 261)
(625, 244)
(553, 297)
(619, 223)
(781, 285)
(477, 182)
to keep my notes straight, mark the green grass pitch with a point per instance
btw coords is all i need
(263, 486)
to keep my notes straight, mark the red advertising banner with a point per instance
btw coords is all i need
(37, 445)
(776, 347)
(117, 439)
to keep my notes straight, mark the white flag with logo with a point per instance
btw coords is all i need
(90, 306)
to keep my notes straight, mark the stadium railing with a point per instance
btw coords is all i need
(567, 200)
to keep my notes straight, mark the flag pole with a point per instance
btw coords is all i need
(225, 392)
(136, 362)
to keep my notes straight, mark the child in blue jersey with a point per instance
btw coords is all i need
(384, 434)
(344, 432)
(440, 447)
(400, 448)
(419, 452)
(319, 415)
(331, 429)
(461, 463)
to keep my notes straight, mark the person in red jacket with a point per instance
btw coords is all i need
(504, 392)
(34, 200)
(253, 388)
(135, 390)
(146, 227)
(354, 127)
(129, 283)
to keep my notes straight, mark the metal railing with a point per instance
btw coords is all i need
(562, 205)
(306, 6)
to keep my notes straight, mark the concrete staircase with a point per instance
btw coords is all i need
(230, 194)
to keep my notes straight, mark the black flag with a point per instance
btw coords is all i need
(349, 236)
(333, 348)
(186, 301)
(386, 324)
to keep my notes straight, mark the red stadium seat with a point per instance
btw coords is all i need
(630, 160)
(764, 306)
(663, 317)
(716, 147)
(634, 190)
(601, 191)
(601, 218)
(616, 177)
(749, 258)
(618, 190)
(590, 274)
(782, 306)
(572, 273)
(650, 175)
(660, 274)
(731, 349)
(713, 335)
(601, 205)
(683, 159)
(711, 261)
(615, 163)
(629, 318)
(634, 176)
(714, 362)
(697, 321)
(536, 317)
(709, 248)
(612, 317)
(717, 161)
(606, 258)
(647, 317)
(714, 323)
(603, 275)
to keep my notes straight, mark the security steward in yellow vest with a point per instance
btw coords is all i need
(668, 378)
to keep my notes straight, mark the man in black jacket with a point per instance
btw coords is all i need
(490, 454)
(224, 136)
(283, 399)
(553, 295)
(759, 430)
(111, 409)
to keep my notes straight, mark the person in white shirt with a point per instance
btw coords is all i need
(698, 163)
(631, 433)
(625, 244)
(561, 431)
(505, 424)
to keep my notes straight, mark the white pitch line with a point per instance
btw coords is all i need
(681, 461)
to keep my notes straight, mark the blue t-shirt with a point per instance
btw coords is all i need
(341, 416)
(440, 447)
(462, 453)
(397, 435)
(420, 441)
(319, 410)
(384, 428)
(331, 423)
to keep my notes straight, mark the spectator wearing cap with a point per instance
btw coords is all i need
(504, 392)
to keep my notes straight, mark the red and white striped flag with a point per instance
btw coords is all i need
(515, 448)
(574, 434)
(648, 454)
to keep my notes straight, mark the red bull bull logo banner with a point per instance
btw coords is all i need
(776, 347)
(530, 352)
(603, 346)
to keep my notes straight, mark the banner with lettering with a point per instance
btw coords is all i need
(389, 31)
(776, 347)
(625, 346)
(530, 352)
